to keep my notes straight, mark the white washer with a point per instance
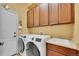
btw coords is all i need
(33, 45)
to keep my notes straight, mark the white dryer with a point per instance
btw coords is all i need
(36, 45)
(21, 44)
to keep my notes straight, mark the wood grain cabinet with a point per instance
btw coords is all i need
(36, 16)
(53, 13)
(30, 18)
(66, 13)
(50, 14)
(77, 53)
(55, 50)
(53, 53)
(43, 14)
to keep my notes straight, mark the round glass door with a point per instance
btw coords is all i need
(32, 49)
(21, 45)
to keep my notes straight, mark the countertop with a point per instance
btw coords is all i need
(63, 42)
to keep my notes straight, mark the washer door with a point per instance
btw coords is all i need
(21, 46)
(32, 49)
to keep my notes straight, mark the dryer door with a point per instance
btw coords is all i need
(32, 49)
(21, 46)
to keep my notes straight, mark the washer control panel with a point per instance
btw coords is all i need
(38, 40)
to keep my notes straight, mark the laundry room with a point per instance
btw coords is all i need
(39, 29)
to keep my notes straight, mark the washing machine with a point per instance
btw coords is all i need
(36, 45)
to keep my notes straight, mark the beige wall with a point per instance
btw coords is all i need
(76, 26)
(61, 31)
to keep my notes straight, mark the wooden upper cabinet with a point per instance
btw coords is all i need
(50, 14)
(36, 16)
(65, 13)
(53, 13)
(43, 14)
(30, 18)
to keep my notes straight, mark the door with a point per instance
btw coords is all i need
(21, 45)
(32, 49)
(53, 13)
(65, 13)
(8, 36)
(30, 18)
(9, 47)
(8, 24)
(43, 14)
(36, 16)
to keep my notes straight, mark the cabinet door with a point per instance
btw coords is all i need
(36, 16)
(53, 53)
(53, 13)
(43, 14)
(77, 53)
(30, 18)
(65, 13)
(61, 49)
